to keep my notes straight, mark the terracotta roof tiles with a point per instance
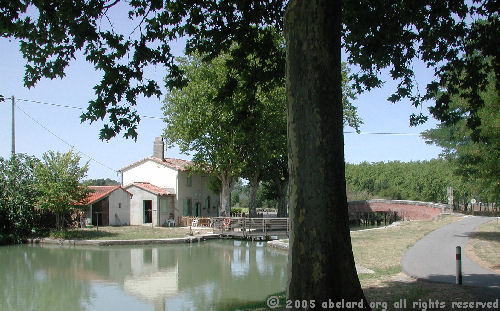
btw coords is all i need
(151, 188)
(100, 192)
(176, 164)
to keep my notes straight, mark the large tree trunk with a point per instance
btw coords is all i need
(225, 208)
(282, 187)
(320, 261)
(252, 205)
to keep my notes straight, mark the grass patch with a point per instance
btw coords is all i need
(418, 295)
(125, 233)
(254, 305)
(382, 250)
(483, 246)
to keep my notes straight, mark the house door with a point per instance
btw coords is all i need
(197, 210)
(148, 205)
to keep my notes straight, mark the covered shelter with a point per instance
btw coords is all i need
(107, 206)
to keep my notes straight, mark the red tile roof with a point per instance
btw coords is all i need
(176, 164)
(151, 188)
(100, 192)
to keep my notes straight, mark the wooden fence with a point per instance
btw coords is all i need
(251, 227)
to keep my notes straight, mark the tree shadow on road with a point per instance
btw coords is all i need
(486, 236)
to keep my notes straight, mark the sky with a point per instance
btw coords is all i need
(42, 123)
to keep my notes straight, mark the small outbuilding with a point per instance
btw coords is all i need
(107, 206)
(151, 204)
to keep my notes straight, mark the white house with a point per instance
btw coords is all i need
(107, 206)
(164, 188)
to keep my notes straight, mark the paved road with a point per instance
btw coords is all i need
(433, 257)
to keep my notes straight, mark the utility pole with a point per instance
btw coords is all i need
(13, 128)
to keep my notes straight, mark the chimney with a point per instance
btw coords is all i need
(158, 148)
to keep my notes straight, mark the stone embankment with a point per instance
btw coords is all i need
(187, 239)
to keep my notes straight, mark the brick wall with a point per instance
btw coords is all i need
(409, 210)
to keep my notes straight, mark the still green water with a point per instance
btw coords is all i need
(209, 275)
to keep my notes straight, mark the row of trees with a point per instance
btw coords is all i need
(474, 154)
(266, 196)
(101, 182)
(233, 134)
(420, 181)
(32, 189)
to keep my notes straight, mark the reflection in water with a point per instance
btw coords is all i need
(173, 277)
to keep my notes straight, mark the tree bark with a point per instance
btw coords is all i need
(320, 260)
(225, 208)
(252, 205)
(58, 222)
(282, 187)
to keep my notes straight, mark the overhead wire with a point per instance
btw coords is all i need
(64, 141)
(160, 118)
(382, 133)
(149, 117)
(74, 107)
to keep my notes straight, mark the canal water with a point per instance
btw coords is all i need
(211, 275)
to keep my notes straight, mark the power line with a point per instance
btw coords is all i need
(74, 107)
(382, 133)
(62, 140)
(159, 118)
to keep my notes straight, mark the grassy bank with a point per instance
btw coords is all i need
(484, 246)
(381, 251)
(124, 233)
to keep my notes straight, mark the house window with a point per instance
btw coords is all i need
(189, 181)
(188, 207)
(163, 204)
(207, 203)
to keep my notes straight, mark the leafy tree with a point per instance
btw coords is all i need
(265, 142)
(101, 182)
(476, 161)
(18, 197)
(214, 184)
(199, 121)
(276, 167)
(456, 38)
(58, 183)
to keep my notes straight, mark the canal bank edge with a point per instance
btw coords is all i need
(187, 239)
(280, 244)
